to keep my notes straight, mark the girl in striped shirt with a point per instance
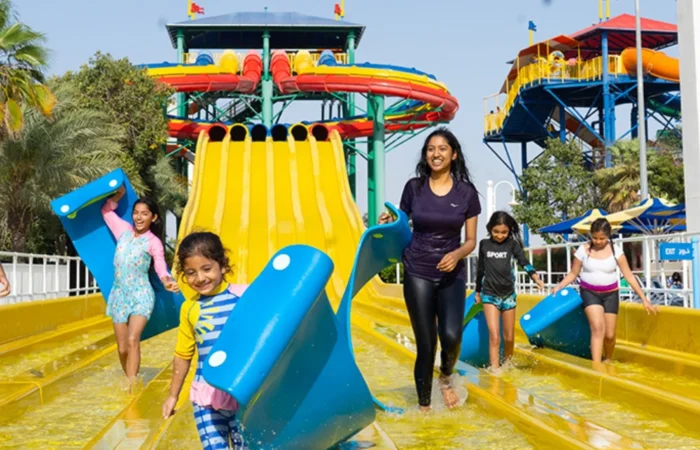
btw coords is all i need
(203, 264)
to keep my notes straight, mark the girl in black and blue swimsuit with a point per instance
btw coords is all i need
(495, 281)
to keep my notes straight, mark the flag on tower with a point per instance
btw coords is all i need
(338, 11)
(196, 9)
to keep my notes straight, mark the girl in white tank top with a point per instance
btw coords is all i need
(596, 262)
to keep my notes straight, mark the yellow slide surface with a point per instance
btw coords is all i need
(262, 196)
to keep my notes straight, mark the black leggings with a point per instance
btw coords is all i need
(427, 301)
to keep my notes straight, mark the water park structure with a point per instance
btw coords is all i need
(213, 95)
(281, 197)
(577, 87)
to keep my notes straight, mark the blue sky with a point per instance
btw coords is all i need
(465, 43)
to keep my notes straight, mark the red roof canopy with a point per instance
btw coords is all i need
(621, 29)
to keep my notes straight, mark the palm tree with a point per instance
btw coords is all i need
(620, 184)
(52, 157)
(22, 60)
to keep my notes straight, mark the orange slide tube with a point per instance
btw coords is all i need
(655, 63)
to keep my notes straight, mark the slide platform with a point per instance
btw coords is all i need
(558, 322)
(80, 213)
(427, 100)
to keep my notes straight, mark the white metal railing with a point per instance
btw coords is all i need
(40, 277)
(652, 276)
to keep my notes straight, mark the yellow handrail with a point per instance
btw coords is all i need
(542, 71)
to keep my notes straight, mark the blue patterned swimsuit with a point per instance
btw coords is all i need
(132, 293)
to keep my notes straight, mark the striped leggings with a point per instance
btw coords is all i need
(217, 428)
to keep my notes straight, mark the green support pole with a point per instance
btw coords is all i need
(352, 172)
(370, 167)
(376, 158)
(181, 102)
(266, 82)
(181, 166)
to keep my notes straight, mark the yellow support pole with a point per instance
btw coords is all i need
(607, 9)
(600, 10)
(190, 14)
(532, 37)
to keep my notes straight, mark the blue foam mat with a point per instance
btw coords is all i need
(282, 356)
(80, 214)
(380, 246)
(475, 335)
(298, 383)
(559, 322)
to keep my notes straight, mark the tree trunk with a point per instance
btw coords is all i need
(18, 220)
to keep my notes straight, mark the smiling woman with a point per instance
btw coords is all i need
(132, 298)
(440, 201)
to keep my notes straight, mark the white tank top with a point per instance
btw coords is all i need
(601, 273)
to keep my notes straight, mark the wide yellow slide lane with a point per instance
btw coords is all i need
(262, 196)
(271, 194)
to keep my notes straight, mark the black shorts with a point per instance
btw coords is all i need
(610, 301)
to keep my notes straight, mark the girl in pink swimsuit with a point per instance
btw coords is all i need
(132, 298)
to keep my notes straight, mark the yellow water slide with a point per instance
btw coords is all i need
(261, 196)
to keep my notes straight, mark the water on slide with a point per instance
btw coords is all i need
(279, 194)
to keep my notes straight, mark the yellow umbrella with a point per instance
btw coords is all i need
(653, 215)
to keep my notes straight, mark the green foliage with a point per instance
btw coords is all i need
(134, 101)
(49, 158)
(666, 175)
(620, 183)
(22, 61)
(558, 184)
(671, 140)
(388, 274)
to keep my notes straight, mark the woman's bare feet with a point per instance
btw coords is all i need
(448, 393)
(496, 371)
(425, 409)
(134, 384)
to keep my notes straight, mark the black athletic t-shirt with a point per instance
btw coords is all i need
(494, 271)
(437, 226)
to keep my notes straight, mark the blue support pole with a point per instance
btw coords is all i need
(582, 120)
(608, 102)
(562, 124)
(634, 118)
(523, 163)
(696, 272)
